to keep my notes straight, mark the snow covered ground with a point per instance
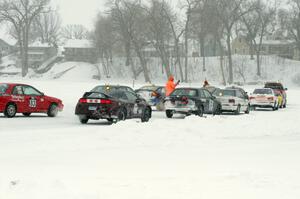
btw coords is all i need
(252, 156)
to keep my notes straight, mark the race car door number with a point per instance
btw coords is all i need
(32, 102)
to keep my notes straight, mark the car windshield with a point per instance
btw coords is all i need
(211, 89)
(3, 88)
(227, 93)
(185, 92)
(277, 86)
(263, 91)
(109, 89)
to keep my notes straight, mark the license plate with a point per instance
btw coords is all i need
(92, 108)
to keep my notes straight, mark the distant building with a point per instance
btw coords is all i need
(5, 48)
(80, 51)
(39, 52)
(283, 48)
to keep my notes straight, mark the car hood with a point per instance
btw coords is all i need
(52, 99)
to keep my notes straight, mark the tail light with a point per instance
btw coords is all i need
(231, 101)
(105, 101)
(270, 98)
(251, 98)
(83, 101)
(185, 100)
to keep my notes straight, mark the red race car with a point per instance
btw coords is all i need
(25, 99)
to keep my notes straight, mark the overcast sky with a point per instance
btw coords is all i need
(79, 11)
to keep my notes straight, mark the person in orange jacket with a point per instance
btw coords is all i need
(170, 86)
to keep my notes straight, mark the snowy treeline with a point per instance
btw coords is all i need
(134, 29)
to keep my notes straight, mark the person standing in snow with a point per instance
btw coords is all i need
(170, 86)
(206, 84)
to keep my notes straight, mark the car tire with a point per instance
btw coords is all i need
(248, 110)
(274, 108)
(52, 110)
(238, 110)
(169, 113)
(146, 115)
(83, 119)
(122, 115)
(10, 110)
(200, 111)
(218, 110)
(26, 114)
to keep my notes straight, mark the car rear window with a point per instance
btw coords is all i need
(109, 89)
(3, 88)
(274, 86)
(263, 91)
(185, 92)
(228, 93)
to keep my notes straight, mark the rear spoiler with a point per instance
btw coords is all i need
(89, 93)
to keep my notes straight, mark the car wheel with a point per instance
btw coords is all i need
(274, 108)
(146, 115)
(200, 111)
(238, 110)
(169, 113)
(83, 119)
(52, 110)
(10, 110)
(218, 110)
(26, 114)
(122, 115)
(248, 109)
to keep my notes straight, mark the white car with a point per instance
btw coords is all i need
(234, 100)
(264, 98)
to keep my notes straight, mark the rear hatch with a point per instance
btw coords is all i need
(92, 101)
(179, 102)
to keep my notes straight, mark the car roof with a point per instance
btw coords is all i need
(189, 88)
(14, 84)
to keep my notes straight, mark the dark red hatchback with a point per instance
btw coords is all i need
(25, 99)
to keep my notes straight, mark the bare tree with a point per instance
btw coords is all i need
(131, 23)
(257, 26)
(46, 27)
(230, 12)
(293, 21)
(21, 14)
(177, 32)
(74, 31)
(105, 39)
(160, 31)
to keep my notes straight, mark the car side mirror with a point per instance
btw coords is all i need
(42, 94)
(213, 97)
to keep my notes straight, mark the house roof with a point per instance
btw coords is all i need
(79, 43)
(39, 44)
(276, 42)
(9, 43)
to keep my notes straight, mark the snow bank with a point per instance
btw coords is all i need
(72, 71)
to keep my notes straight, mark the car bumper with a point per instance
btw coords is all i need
(262, 104)
(181, 109)
(98, 113)
(229, 107)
